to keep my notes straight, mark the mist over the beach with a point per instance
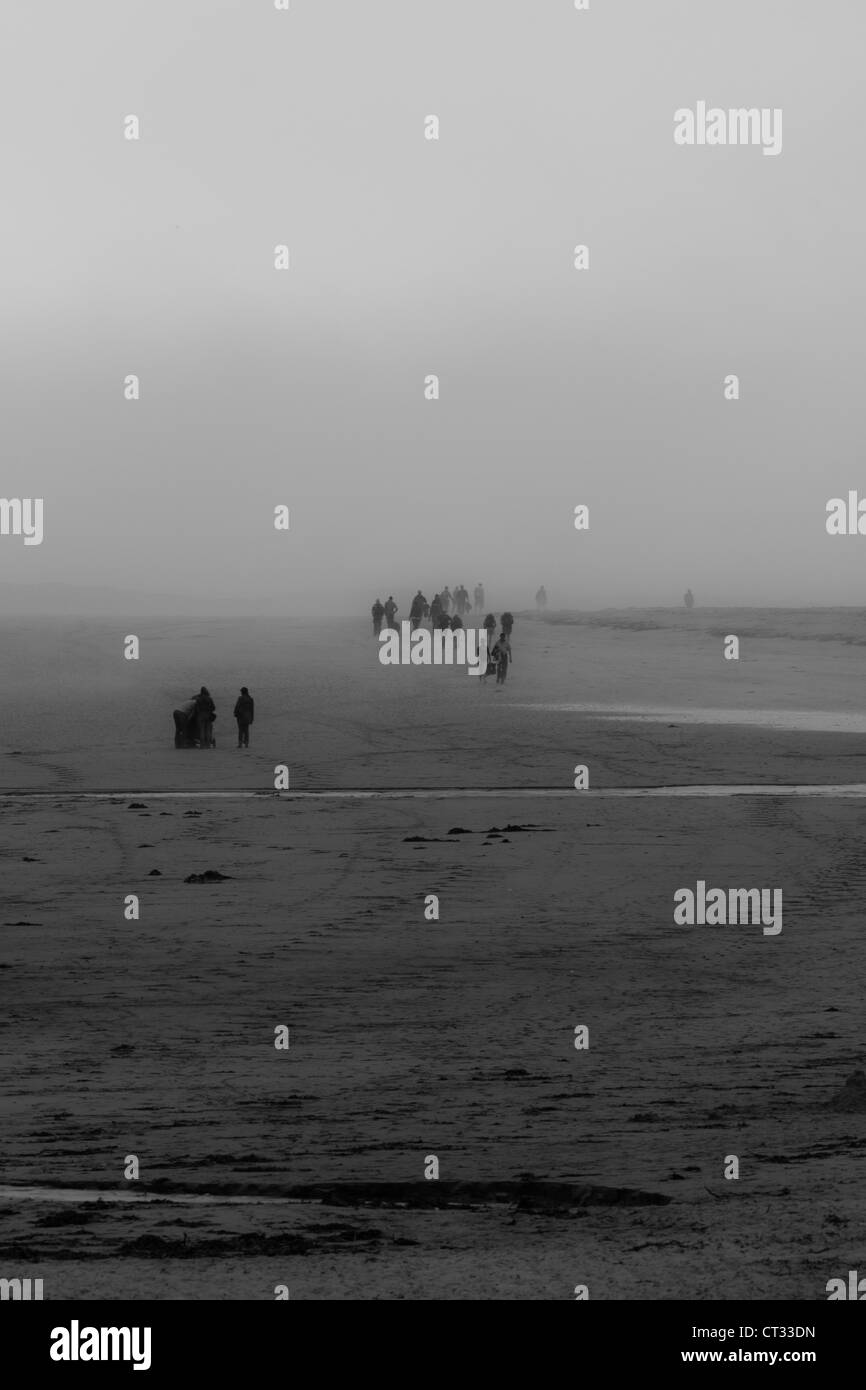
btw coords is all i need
(409, 258)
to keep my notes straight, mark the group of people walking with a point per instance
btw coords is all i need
(438, 612)
(445, 609)
(194, 720)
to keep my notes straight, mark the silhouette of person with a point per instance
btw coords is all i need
(416, 612)
(245, 708)
(205, 713)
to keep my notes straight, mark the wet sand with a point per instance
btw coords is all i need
(338, 719)
(452, 1038)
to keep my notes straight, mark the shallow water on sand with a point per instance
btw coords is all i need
(788, 720)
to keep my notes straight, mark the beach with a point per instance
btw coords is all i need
(453, 1036)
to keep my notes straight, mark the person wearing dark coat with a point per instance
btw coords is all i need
(502, 655)
(205, 714)
(416, 612)
(245, 708)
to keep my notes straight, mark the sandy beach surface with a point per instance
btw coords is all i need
(451, 1037)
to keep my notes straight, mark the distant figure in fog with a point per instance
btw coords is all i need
(541, 599)
(245, 708)
(435, 610)
(390, 610)
(507, 623)
(490, 625)
(416, 612)
(479, 597)
(502, 655)
(445, 596)
(689, 598)
(492, 666)
(378, 611)
(205, 713)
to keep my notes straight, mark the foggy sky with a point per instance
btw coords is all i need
(412, 257)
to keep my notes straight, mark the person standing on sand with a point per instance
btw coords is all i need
(541, 599)
(490, 625)
(689, 598)
(416, 612)
(245, 708)
(390, 610)
(492, 666)
(435, 610)
(378, 611)
(507, 624)
(205, 713)
(503, 656)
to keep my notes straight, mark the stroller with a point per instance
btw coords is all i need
(187, 728)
